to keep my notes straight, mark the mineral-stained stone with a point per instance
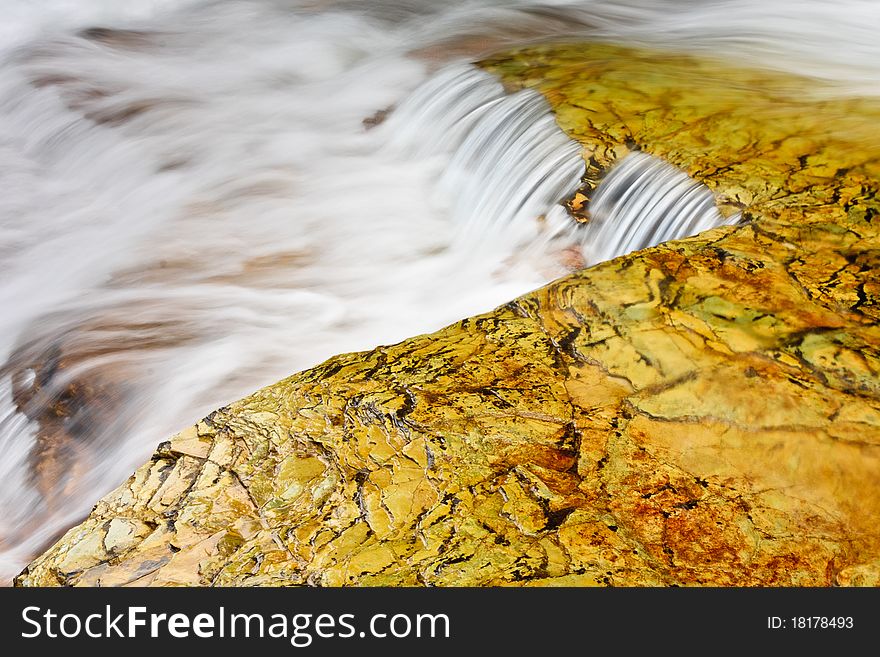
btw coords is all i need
(705, 412)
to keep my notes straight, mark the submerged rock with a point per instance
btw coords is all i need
(703, 412)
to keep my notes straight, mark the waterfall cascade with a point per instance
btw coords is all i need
(194, 203)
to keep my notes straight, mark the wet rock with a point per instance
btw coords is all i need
(703, 412)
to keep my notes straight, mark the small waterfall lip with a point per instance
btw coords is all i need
(643, 201)
(436, 116)
(510, 162)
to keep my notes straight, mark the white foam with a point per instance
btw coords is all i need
(245, 210)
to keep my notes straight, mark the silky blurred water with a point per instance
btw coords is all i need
(197, 199)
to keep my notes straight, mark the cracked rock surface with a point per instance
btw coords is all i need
(702, 412)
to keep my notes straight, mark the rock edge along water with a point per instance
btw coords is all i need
(702, 412)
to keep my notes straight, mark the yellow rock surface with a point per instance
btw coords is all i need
(702, 412)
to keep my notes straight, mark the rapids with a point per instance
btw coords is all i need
(199, 198)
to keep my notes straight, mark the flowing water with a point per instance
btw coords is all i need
(199, 198)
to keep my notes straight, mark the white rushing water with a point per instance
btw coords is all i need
(194, 203)
(643, 201)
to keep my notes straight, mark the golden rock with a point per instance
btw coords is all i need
(705, 412)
